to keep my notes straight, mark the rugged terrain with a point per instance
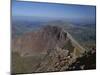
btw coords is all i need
(51, 48)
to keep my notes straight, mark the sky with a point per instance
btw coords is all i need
(53, 10)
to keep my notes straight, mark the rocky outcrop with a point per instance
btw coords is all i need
(57, 60)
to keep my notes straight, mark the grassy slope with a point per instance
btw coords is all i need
(24, 64)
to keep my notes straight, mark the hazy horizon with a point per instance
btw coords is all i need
(73, 13)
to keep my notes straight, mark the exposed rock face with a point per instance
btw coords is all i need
(83, 63)
(56, 46)
(48, 37)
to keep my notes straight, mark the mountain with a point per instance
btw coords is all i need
(83, 33)
(48, 37)
(51, 48)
